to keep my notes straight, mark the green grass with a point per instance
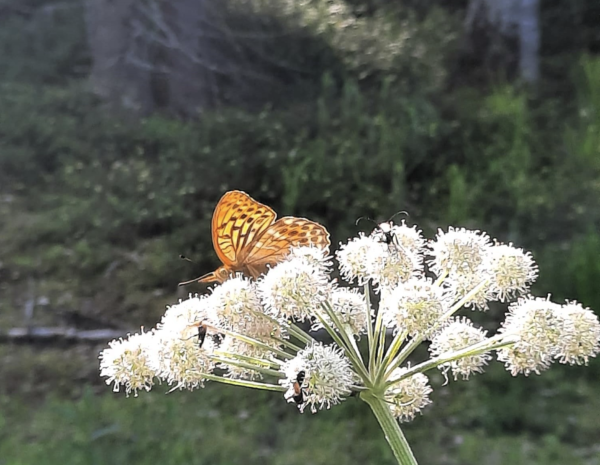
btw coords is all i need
(227, 425)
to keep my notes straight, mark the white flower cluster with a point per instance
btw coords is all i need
(457, 335)
(245, 331)
(546, 332)
(408, 396)
(391, 255)
(328, 376)
(239, 321)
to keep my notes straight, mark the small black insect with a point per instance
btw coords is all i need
(383, 231)
(298, 389)
(202, 329)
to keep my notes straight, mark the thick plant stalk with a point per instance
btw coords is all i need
(391, 429)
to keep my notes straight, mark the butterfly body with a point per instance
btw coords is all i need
(248, 240)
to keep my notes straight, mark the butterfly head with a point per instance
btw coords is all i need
(220, 275)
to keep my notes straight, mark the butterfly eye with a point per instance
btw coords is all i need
(223, 273)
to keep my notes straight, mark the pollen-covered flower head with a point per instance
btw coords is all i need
(328, 376)
(180, 361)
(313, 256)
(580, 338)
(390, 266)
(233, 302)
(415, 306)
(410, 239)
(125, 363)
(475, 289)
(182, 318)
(511, 270)
(458, 251)
(355, 257)
(350, 307)
(294, 289)
(408, 396)
(538, 326)
(459, 334)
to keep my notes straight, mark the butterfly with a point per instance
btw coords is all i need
(247, 238)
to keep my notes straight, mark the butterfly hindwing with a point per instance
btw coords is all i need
(274, 244)
(238, 221)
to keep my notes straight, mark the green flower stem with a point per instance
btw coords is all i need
(392, 351)
(267, 363)
(287, 343)
(250, 366)
(337, 324)
(379, 340)
(349, 351)
(412, 345)
(243, 383)
(494, 343)
(370, 331)
(255, 343)
(299, 334)
(391, 429)
(369, 323)
(457, 306)
(441, 278)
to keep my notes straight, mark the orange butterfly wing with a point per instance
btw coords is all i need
(238, 221)
(275, 243)
(247, 238)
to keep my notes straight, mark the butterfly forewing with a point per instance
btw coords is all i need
(274, 244)
(237, 223)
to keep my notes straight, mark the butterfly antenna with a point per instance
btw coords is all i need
(183, 257)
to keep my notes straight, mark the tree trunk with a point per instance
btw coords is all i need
(503, 36)
(113, 76)
(529, 41)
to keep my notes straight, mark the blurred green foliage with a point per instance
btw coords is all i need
(96, 208)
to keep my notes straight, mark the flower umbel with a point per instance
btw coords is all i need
(415, 306)
(349, 305)
(329, 376)
(125, 362)
(456, 335)
(580, 336)
(294, 289)
(267, 333)
(537, 325)
(458, 251)
(512, 271)
(408, 396)
(356, 256)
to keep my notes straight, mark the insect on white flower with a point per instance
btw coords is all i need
(328, 376)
